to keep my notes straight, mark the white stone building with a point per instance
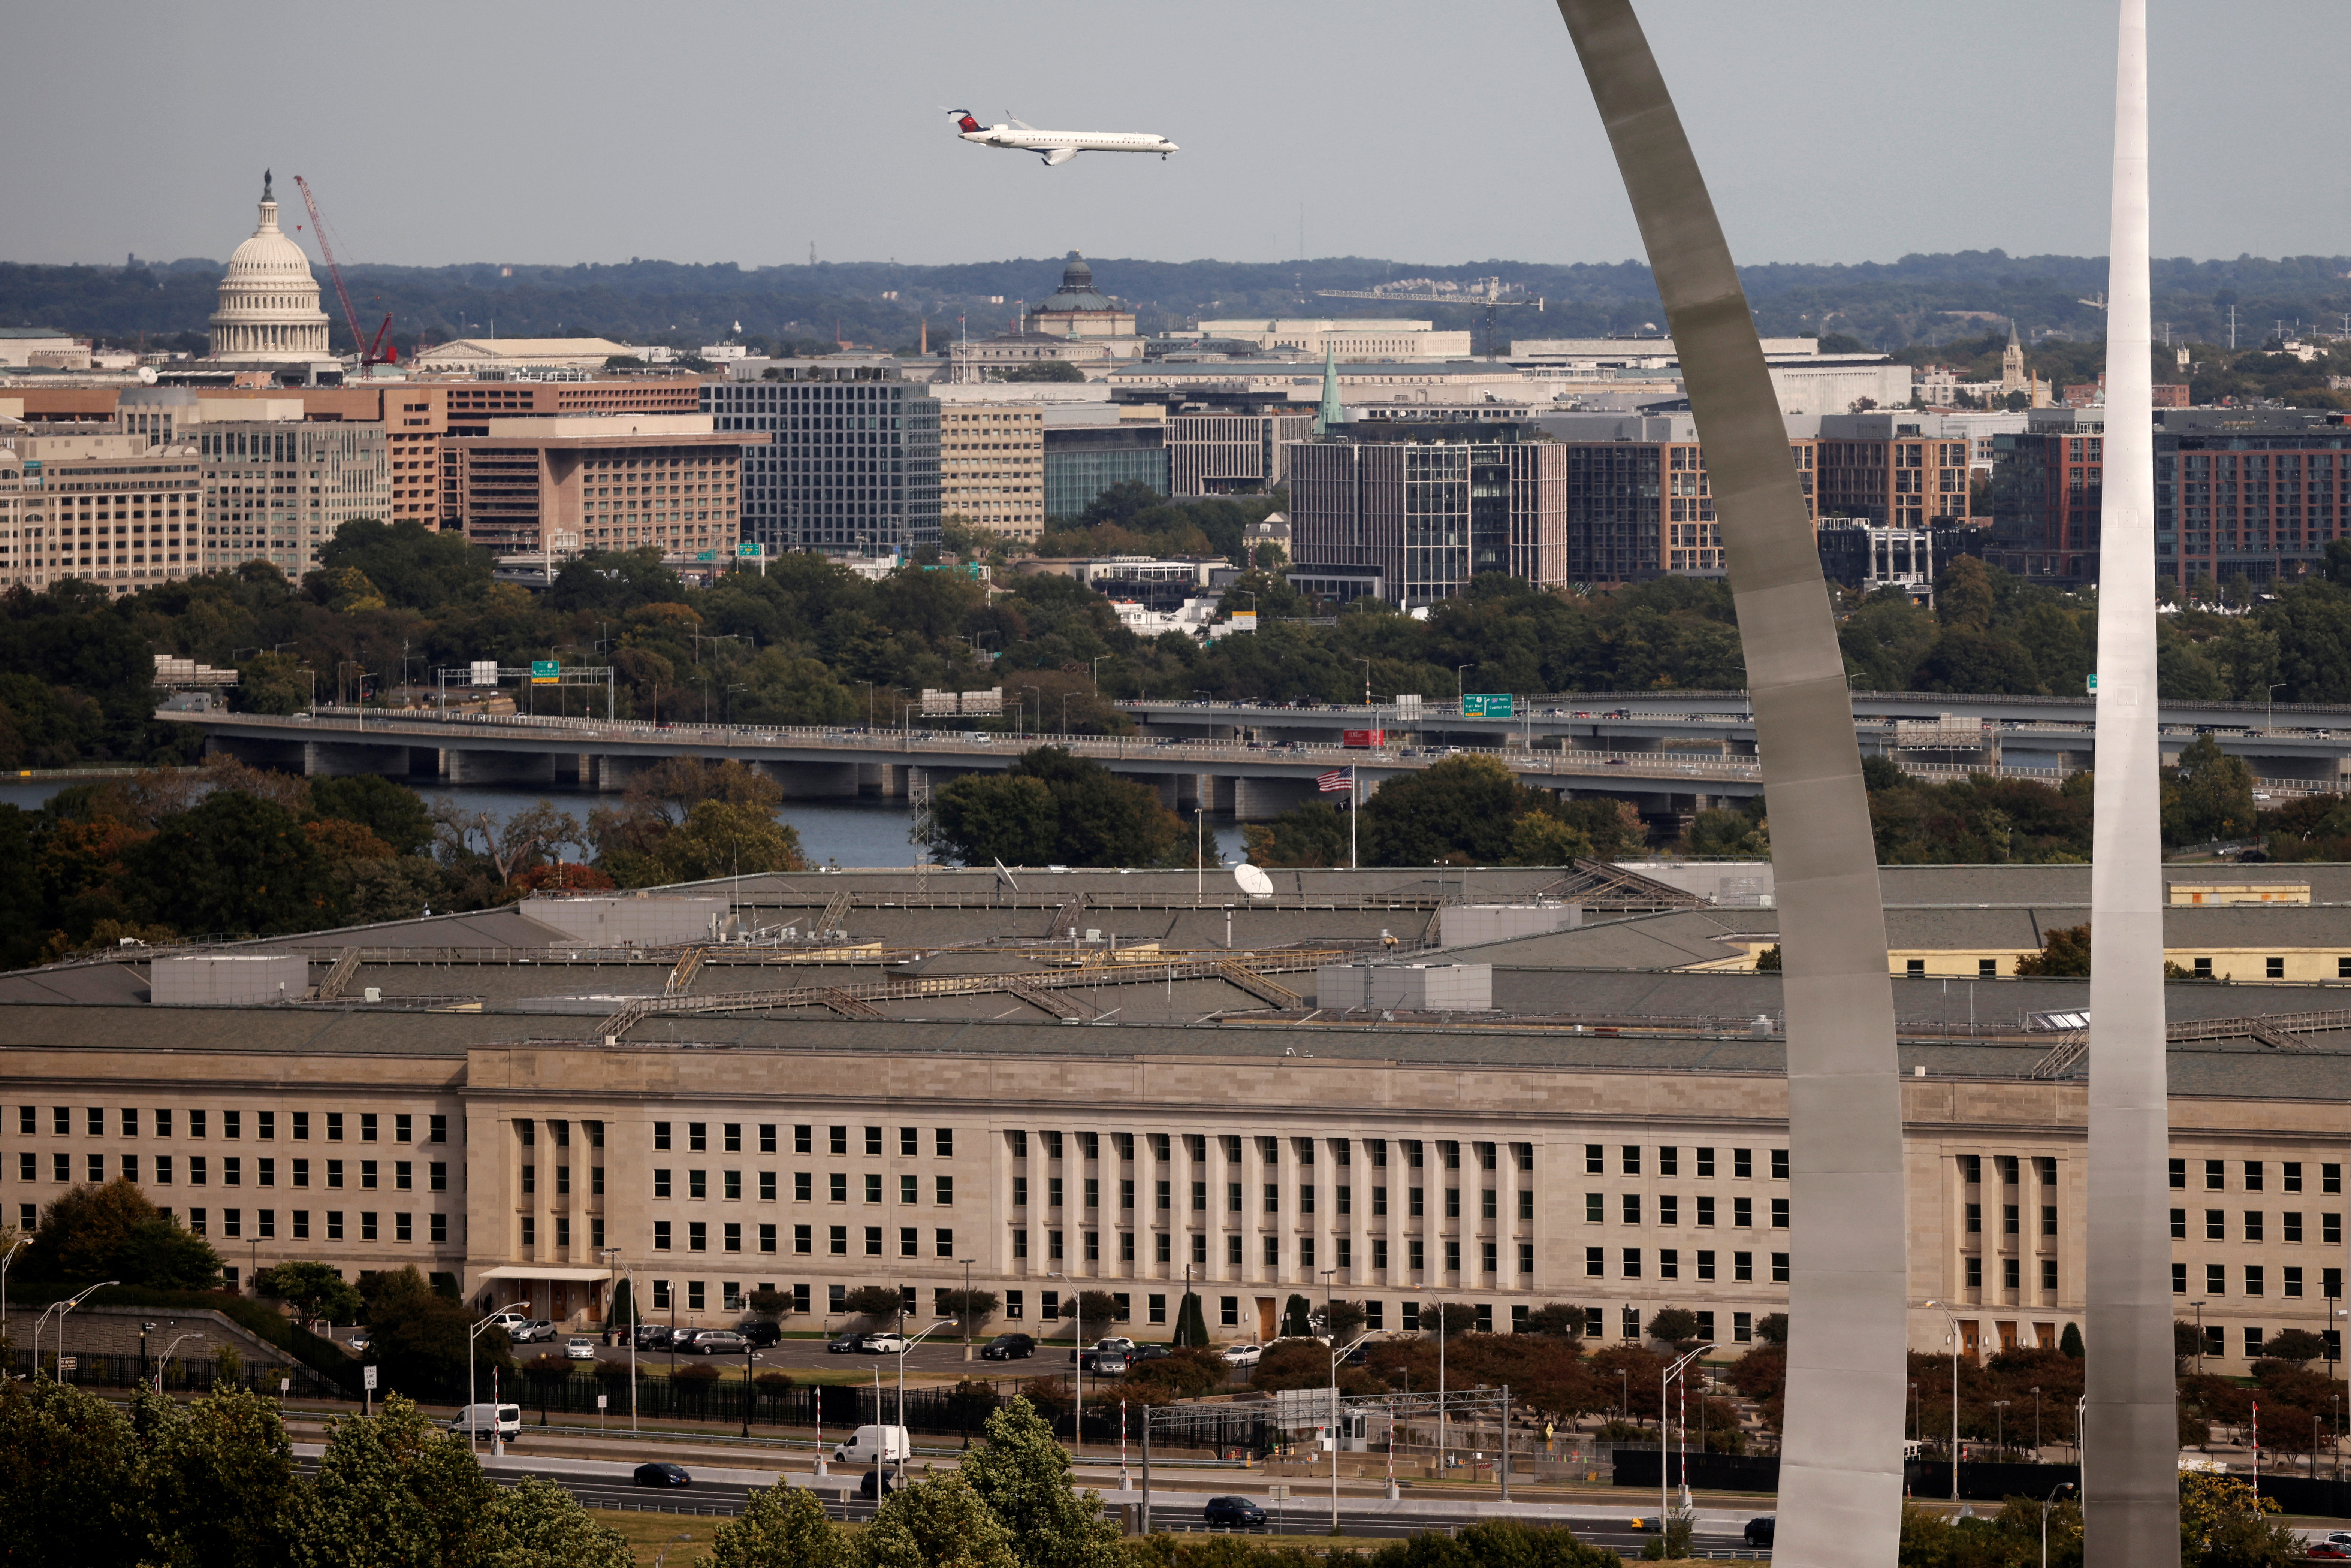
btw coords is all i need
(268, 306)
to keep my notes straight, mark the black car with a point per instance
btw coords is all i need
(1008, 1347)
(653, 1336)
(846, 1344)
(1233, 1511)
(1143, 1352)
(1758, 1530)
(760, 1335)
(877, 1484)
(663, 1474)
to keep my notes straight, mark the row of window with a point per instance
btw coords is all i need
(198, 1124)
(2254, 1281)
(563, 1181)
(731, 1236)
(2254, 1174)
(233, 1224)
(730, 1186)
(1702, 1262)
(1411, 1152)
(198, 1170)
(1669, 1210)
(2012, 1273)
(2256, 1225)
(1269, 1249)
(2216, 1341)
(731, 1137)
(1669, 1162)
(563, 1231)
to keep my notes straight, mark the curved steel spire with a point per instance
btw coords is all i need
(2131, 1482)
(1841, 1457)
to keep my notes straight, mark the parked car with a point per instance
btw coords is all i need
(661, 1473)
(653, 1336)
(580, 1347)
(510, 1322)
(1115, 1342)
(1148, 1352)
(1233, 1511)
(1108, 1362)
(487, 1420)
(1243, 1354)
(761, 1334)
(359, 1340)
(1008, 1347)
(845, 1344)
(531, 1333)
(1758, 1530)
(715, 1342)
(884, 1345)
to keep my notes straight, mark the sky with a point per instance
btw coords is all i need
(745, 131)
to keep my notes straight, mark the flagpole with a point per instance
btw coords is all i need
(1355, 803)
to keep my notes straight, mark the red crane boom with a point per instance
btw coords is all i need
(377, 352)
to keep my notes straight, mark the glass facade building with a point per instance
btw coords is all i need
(853, 468)
(1081, 464)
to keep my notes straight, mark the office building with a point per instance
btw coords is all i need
(2250, 493)
(105, 508)
(1376, 338)
(478, 355)
(43, 348)
(992, 468)
(1639, 501)
(1430, 506)
(276, 486)
(1610, 1136)
(846, 457)
(1858, 554)
(1898, 468)
(1090, 449)
(560, 483)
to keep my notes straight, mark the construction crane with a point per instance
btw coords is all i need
(381, 351)
(1489, 297)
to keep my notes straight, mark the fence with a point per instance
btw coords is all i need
(183, 1375)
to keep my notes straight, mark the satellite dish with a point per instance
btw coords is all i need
(1253, 881)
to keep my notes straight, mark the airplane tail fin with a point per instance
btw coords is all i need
(964, 123)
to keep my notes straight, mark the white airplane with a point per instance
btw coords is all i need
(1055, 146)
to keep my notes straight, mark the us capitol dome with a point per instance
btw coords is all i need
(268, 306)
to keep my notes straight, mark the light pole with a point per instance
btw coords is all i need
(2036, 1425)
(1334, 1336)
(2062, 1486)
(61, 1309)
(905, 1350)
(2269, 724)
(1458, 688)
(966, 1313)
(636, 1315)
(672, 1540)
(2200, 1337)
(165, 1359)
(5, 1261)
(1665, 1382)
(749, 1355)
(1998, 1426)
(1955, 1395)
(1439, 1303)
(473, 1423)
(1078, 1354)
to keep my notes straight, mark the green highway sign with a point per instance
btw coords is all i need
(748, 548)
(1495, 705)
(545, 672)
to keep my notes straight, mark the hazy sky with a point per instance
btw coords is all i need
(735, 130)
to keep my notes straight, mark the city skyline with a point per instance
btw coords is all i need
(858, 161)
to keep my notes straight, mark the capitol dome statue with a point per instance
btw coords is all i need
(269, 307)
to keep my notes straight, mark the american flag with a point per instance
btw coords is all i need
(1336, 779)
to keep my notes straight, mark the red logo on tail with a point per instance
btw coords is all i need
(967, 124)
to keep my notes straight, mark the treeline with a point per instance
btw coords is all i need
(225, 850)
(1917, 298)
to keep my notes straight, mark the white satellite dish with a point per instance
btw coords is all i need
(1253, 881)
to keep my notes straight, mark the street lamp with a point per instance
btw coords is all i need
(966, 1313)
(903, 1352)
(2036, 1425)
(1998, 1426)
(2200, 1337)
(2269, 724)
(1458, 688)
(1327, 1329)
(672, 1540)
(1665, 1382)
(473, 1422)
(1955, 1395)
(637, 1315)
(750, 1355)
(61, 1309)
(2062, 1486)
(165, 1359)
(1078, 1353)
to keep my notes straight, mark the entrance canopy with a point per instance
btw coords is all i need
(544, 1271)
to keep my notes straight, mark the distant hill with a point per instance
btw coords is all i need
(1919, 299)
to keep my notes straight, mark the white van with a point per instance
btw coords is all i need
(874, 1445)
(488, 1421)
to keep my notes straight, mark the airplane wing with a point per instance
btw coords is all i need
(1016, 122)
(1060, 155)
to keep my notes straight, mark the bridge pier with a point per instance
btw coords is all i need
(342, 759)
(1262, 800)
(498, 767)
(812, 781)
(886, 780)
(609, 774)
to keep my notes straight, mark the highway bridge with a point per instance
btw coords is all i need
(1237, 761)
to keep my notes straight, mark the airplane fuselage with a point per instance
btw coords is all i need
(1058, 146)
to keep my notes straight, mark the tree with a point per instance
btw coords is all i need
(1305, 1364)
(112, 1232)
(613, 580)
(73, 1486)
(1313, 834)
(970, 1309)
(315, 1290)
(1676, 1326)
(1022, 1474)
(1185, 1373)
(1456, 1317)
(1555, 1318)
(394, 812)
(2224, 1523)
(231, 863)
(940, 1523)
(420, 1337)
(1464, 811)
(392, 1489)
(1501, 1543)
(2296, 1345)
(781, 1527)
(717, 838)
(219, 1475)
(1297, 1318)
(1052, 807)
(1771, 1328)
(1191, 1323)
(2066, 952)
(1042, 371)
(410, 565)
(1099, 1308)
(271, 682)
(2209, 795)
(2070, 1341)
(875, 1301)
(537, 1525)
(1341, 1320)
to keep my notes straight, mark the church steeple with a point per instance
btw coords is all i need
(1332, 413)
(2011, 361)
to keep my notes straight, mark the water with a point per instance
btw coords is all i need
(850, 833)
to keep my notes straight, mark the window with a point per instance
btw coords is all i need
(2330, 1230)
(1631, 1159)
(2274, 968)
(1742, 1213)
(2252, 1342)
(2252, 1225)
(730, 1236)
(767, 1138)
(766, 1184)
(2252, 1176)
(2048, 1220)
(2180, 1225)
(2290, 1225)
(698, 1236)
(836, 1241)
(1632, 1263)
(1975, 1219)
(1595, 1159)
(1631, 1203)
(837, 1186)
(1742, 1328)
(873, 1142)
(2216, 1176)
(2216, 1280)
(403, 1175)
(908, 1245)
(335, 1227)
(1668, 1210)
(660, 1136)
(1914, 968)
(1975, 1273)
(803, 1138)
(697, 1137)
(837, 1139)
(1379, 1252)
(910, 1142)
(1526, 1203)
(1669, 1162)
(1706, 1265)
(437, 1173)
(2290, 1176)
(731, 1135)
(1669, 1263)
(802, 1240)
(910, 1189)
(874, 1241)
(1416, 1259)
(2290, 1280)
(334, 1126)
(2180, 1278)
(1595, 1262)
(2180, 1176)
(367, 1126)
(196, 1123)
(1778, 1268)
(1706, 1211)
(2010, 1269)
(2216, 1225)
(1452, 1203)
(942, 1143)
(2330, 1178)
(1743, 1164)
